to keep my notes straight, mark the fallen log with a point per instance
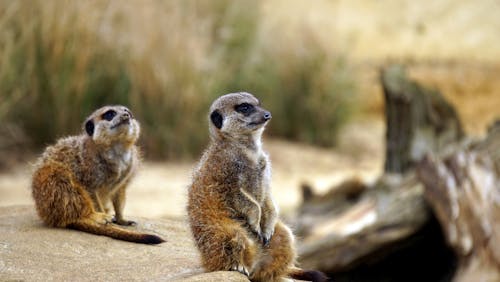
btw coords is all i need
(394, 209)
(345, 227)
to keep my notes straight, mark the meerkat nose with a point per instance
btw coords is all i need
(267, 116)
(126, 116)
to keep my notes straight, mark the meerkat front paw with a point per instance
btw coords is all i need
(268, 225)
(255, 228)
(267, 234)
(240, 268)
(124, 222)
(253, 220)
(102, 218)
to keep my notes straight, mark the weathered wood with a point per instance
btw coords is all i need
(393, 210)
(314, 207)
(418, 119)
(463, 189)
(345, 226)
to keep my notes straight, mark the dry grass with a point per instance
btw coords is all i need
(167, 60)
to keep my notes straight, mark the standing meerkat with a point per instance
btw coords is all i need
(76, 178)
(232, 214)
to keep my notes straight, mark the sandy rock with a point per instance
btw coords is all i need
(32, 252)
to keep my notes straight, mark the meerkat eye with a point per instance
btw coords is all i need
(109, 115)
(244, 108)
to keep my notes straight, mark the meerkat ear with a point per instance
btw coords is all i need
(216, 119)
(89, 127)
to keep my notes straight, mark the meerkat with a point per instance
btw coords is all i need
(76, 178)
(232, 215)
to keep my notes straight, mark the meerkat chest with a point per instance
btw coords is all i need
(119, 168)
(256, 175)
(124, 164)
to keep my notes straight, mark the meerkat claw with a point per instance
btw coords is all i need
(266, 238)
(103, 218)
(266, 241)
(240, 268)
(124, 222)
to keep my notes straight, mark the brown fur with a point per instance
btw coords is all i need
(231, 211)
(77, 177)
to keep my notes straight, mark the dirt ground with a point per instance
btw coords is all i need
(160, 189)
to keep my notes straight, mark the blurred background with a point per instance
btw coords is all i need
(314, 64)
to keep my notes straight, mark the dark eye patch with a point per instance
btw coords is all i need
(89, 127)
(244, 108)
(109, 115)
(216, 119)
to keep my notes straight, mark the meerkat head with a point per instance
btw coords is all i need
(237, 115)
(112, 124)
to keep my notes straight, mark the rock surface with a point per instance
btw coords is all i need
(33, 252)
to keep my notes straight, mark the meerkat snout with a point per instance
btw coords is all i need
(123, 119)
(261, 118)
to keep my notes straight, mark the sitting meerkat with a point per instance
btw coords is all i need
(76, 178)
(232, 214)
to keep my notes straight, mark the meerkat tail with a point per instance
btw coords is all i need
(307, 275)
(116, 232)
